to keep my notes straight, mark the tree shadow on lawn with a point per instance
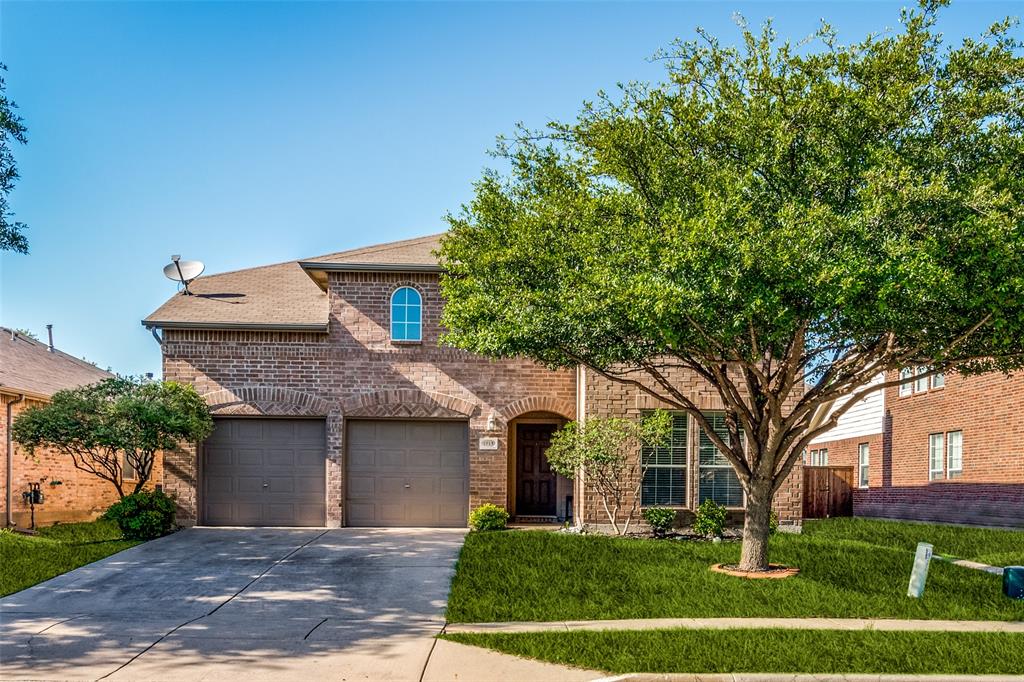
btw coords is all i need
(566, 578)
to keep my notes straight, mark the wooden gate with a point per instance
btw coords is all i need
(828, 491)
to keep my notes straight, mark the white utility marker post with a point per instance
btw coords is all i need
(919, 575)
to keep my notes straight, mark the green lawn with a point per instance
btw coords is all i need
(27, 560)
(989, 546)
(767, 651)
(542, 576)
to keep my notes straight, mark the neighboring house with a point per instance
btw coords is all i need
(335, 405)
(948, 448)
(30, 373)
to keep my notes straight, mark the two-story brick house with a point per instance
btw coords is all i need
(335, 404)
(946, 448)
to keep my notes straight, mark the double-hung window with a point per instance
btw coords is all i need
(921, 384)
(819, 458)
(935, 456)
(907, 387)
(938, 380)
(954, 454)
(718, 480)
(665, 468)
(406, 315)
(128, 472)
(863, 464)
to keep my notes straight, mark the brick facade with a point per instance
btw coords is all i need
(606, 398)
(69, 494)
(355, 370)
(988, 410)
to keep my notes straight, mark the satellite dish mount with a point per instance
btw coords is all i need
(183, 271)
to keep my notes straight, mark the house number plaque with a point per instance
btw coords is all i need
(488, 443)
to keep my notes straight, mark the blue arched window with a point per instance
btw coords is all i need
(406, 315)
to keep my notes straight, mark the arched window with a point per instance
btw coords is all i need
(406, 315)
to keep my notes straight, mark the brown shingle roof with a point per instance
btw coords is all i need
(29, 366)
(282, 296)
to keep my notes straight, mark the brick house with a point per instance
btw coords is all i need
(30, 373)
(335, 405)
(947, 448)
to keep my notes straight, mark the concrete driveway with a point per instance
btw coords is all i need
(224, 603)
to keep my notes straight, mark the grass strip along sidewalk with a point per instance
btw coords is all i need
(30, 559)
(766, 651)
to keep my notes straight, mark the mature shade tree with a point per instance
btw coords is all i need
(11, 130)
(784, 221)
(116, 422)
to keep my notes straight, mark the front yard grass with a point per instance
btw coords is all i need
(767, 651)
(27, 560)
(987, 545)
(544, 576)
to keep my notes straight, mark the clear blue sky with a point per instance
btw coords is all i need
(249, 133)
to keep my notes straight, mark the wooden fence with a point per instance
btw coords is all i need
(828, 491)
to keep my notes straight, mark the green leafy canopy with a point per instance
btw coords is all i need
(102, 425)
(785, 220)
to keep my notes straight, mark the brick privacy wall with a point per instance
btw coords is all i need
(607, 398)
(989, 409)
(356, 367)
(80, 495)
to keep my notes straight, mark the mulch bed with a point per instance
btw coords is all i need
(774, 572)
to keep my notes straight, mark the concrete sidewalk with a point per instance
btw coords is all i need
(883, 624)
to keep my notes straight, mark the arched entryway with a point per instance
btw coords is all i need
(536, 494)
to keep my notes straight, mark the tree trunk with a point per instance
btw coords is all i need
(754, 555)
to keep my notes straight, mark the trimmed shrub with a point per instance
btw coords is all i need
(710, 519)
(143, 515)
(773, 522)
(660, 519)
(488, 517)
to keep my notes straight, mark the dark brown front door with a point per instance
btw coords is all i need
(535, 481)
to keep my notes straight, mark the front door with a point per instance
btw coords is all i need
(535, 481)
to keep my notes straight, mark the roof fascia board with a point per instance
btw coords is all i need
(318, 271)
(236, 326)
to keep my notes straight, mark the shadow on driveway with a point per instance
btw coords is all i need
(260, 603)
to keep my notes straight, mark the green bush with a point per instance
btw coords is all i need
(660, 519)
(710, 519)
(488, 517)
(773, 522)
(143, 515)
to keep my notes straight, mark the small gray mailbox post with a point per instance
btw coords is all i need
(919, 575)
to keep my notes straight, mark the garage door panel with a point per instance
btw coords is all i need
(406, 473)
(259, 472)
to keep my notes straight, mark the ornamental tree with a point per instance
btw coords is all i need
(603, 450)
(116, 422)
(784, 221)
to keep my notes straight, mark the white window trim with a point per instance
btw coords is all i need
(907, 377)
(918, 380)
(939, 439)
(391, 315)
(952, 473)
(938, 381)
(685, 466)
(863, 465)
(700, 466)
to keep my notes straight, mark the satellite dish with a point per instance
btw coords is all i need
(184, 271)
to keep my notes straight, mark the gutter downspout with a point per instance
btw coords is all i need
(581, 418)
(10, 459)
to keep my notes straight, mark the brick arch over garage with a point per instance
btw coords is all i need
(266, 400)
(407, 403)
(538, 403)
